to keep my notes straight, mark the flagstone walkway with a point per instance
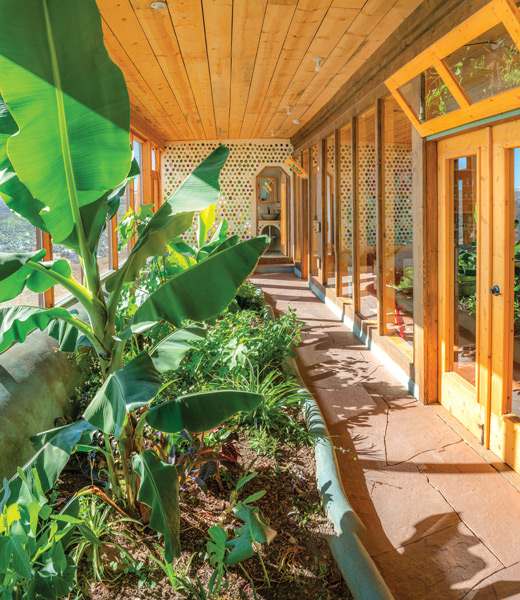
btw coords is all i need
(441, 522)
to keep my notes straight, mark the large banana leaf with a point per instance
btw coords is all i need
(12, 190)
(129, 388)
(72, 147)
(16, 273)
(200, 412)
(159, 489)
(16, 322)
(168, 354)
(54, 448)
(206, 220)
(198, 191)
(201, 292)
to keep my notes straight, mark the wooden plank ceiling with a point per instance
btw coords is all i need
(227, 69)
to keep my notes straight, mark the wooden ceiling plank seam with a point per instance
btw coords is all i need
(188, 22)
(248, 28)
(121, 18)
(323, 45)
(388, 23)
(158, 28)
(284, 71)
(134, 80)
(137, 106)
(218, 22)
(274, 32)
(231, 67)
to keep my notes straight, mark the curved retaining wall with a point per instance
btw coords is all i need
(36, 382)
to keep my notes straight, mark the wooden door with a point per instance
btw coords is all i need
(504, 394)
(465, 278)
(284, 191)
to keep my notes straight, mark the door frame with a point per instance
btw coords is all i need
(467, 402)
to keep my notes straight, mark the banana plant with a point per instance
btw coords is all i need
(65, 159)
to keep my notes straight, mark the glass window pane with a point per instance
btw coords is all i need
(103, 251)
(516, 291)
(465, 265)
(398, 238)
(428, 95)
(138, 182)
(298, 183)
(59, 252)
(346, 211)
(17, 235)
(367, 213)
(314, 241)
(330, 223)
(488, 65)
(124, 207)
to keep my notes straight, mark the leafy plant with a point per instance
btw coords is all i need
(97, 532)
(133, 224)
(33, 562)
(65, 159)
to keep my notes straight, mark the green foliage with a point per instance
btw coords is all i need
(33, 562)
(96, 529)
(132, 224)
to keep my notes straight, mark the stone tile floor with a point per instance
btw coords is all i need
(441, 523)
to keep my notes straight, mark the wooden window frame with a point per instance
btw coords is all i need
(494, 13)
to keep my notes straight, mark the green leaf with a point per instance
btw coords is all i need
(206, 220)
(201, 292)
(19, 555)
(216, 546)
(14, 271)
(54, 448)
(16, 322)
(12, 190)
(198, 191)
(159, 489)
(168, 354)
(200, 412)
(129, 388)
(255, 529)
(56, 578)
(70, 103)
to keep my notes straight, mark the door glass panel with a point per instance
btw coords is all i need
(367, 214)
(314, 242)
(465, 266)
(346, 213)
(488, 65)
(516, 298)
(330, 216)
(398, 237)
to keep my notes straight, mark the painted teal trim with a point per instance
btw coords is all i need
(486, 121)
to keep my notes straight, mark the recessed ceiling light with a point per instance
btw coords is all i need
(158, 5)
(296, 121)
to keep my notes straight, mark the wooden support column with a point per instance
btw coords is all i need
(381, 220)
(321, 204)
(309, 213)
(146, 175)
(337, 212)
(355, 218)
(46, 243)
(425, 267)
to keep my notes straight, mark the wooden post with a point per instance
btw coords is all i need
(425, 267)
(355, 219)
(337, 212)
(46, 243)
(381, 220)
(146, 175)
(321, 205)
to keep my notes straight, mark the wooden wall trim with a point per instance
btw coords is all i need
(429, 22)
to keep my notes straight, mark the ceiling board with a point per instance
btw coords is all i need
(227, 69)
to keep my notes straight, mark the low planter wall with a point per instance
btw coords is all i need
(36, 382)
